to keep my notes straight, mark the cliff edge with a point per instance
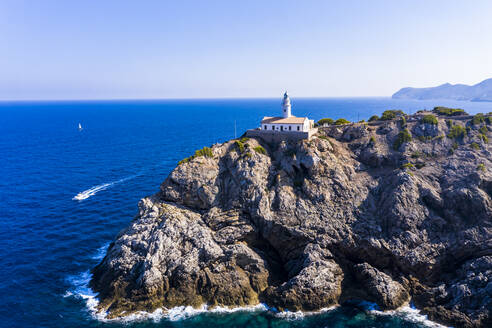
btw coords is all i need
(386, 212)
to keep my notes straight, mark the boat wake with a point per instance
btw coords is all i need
(94, 190)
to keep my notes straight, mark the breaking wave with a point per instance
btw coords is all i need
(410, 314)
(80, 289)
(94, 190)
(101, 252)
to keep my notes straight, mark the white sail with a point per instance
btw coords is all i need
(80, 126)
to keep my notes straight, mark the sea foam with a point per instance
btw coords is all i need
(410, 314)
(101, 252)
(94, 190)
(80, 289)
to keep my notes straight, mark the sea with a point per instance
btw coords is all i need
(65, 194)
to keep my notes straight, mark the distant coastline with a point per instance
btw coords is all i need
(480, 92)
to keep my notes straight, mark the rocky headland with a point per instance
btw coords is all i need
(389, 211)
(478, 92)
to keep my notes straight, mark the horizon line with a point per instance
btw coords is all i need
(180, 98)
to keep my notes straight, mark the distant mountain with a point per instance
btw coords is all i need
(479, 92)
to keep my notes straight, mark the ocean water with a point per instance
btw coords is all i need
(65, 194)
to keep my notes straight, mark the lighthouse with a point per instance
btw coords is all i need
(286, 127)
(286, 106)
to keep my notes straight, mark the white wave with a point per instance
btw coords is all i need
(101, 252)
(410, 314)
(297, 315)
(82, 290)
(94, 190)
(183, 312)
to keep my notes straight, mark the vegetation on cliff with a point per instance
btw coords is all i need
(446, 111)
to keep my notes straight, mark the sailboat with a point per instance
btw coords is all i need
(80, 127)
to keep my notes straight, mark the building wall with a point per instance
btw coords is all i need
(277, 127)
(278, 136)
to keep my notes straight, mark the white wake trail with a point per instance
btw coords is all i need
(94, 190)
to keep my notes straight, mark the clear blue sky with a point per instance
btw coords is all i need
(194, 49)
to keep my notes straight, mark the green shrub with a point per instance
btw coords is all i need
(481, 167)
(449, 111)
(416, 154)
(373, 118)
(401, 138)
(419, 165)
(429, 119)
(407, 166)
(372, 140)
(244, 139)
(240, 146)
(248, 155)
(449, 123)
(324, 138)
(484, 138)
(478, 119)
(362, 121)
(457, 132)
(475, 146)
(488, 120)
(185, 160)
(326, 121)
(341, 121)
(403, 122)
(440, 137)
(483, 130)
(391, 114)
(260, 150)
(455, 146)
(205, 152)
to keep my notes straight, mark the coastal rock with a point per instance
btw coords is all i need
(380, 288)
(310, 224)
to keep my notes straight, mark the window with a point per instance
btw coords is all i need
(281, 128)
(273, 127)
(290, 128)
(265, 127)
(298, 128)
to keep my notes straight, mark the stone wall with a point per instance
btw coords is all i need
(277, 136)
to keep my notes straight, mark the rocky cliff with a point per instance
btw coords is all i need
(355, 213)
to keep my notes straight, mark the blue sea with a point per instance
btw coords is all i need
(65, 194)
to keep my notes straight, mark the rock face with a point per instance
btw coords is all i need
(306, 225)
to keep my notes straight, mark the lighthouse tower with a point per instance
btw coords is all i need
(286, 106)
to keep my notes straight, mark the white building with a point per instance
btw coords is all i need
(286, 122)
